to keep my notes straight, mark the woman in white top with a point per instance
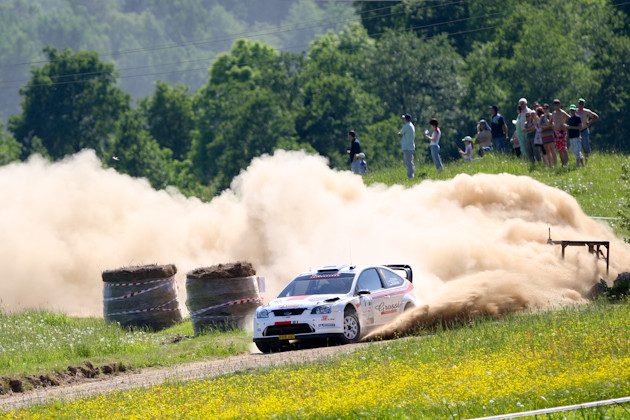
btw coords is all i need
(434, 146)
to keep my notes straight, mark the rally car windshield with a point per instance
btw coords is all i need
(319, 284)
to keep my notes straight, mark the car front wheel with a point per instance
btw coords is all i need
(351, 327)
(264, 348)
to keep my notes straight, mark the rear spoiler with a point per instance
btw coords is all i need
(402, 267)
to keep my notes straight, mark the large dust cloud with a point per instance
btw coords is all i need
(473, 241)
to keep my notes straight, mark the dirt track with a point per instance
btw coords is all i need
(147, 377)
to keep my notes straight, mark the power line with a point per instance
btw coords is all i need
(247, 34)
(259, 33)
(220, 40)
(262, 61)
(287, 48)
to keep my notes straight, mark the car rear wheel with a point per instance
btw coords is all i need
(351, 327)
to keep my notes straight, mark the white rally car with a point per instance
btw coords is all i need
(338, 302)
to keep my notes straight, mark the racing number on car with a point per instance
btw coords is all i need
(367, 309)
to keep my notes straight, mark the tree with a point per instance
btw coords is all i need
(136, 153)
(553, 51)
(610, 64)
(379, 17)
(334, 97)
(70, 103)
(169, 117)
(245, 110)
(420, 77)
(9, 148)
(467, 21)
(333, 105)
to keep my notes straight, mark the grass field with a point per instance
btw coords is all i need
(519, 363)
(598, 187)
(37, 342)
(514, 364)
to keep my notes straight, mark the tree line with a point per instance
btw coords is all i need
(445, 61)
(149, 40)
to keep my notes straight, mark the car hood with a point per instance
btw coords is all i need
(308, 301)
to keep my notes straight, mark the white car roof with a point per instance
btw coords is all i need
(353, 269)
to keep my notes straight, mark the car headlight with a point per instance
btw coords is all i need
(262, 313)
(326, 309)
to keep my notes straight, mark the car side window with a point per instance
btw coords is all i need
(391, 279)
(369, 280)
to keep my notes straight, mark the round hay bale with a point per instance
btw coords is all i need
(224, 296)
(141, 296)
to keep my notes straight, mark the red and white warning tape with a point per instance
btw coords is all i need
(157, 308)
(137, 283)
(234, 302)
(139, 292)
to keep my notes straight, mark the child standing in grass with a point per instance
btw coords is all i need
(362, 163)
(468, 152)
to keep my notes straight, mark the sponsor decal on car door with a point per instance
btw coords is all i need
(386, 308)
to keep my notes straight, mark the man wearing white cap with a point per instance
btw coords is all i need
(408, 135)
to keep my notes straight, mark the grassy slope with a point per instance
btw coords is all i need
(598, 188)
(518, 363)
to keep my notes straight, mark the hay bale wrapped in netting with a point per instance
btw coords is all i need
(224, 296)
(141, 296)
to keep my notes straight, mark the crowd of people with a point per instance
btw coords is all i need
(540, 136)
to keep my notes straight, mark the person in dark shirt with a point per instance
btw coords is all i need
(573, 125)
(355, 148)
(499, 130)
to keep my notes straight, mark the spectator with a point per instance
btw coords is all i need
(520, 125)
(573, 126)
(516, 145)
(539, 150)
(484, 137)
(588, 117)
(355, 147)
(546, 126)
(362, 163)
(499, 130)
(434, 145)
(408, 134)
(529, 129)
(468, 152)
(559, 118)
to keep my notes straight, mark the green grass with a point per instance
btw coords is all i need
(517, 363)
(573, 355)
(597, 187)
(39, 342)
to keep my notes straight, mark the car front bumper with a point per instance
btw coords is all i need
(308, 326)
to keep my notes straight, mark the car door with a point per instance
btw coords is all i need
(372, 303)
(394, 294)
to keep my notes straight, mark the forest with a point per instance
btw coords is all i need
(443, 59)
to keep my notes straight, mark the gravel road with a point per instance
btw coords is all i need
(148, 377)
